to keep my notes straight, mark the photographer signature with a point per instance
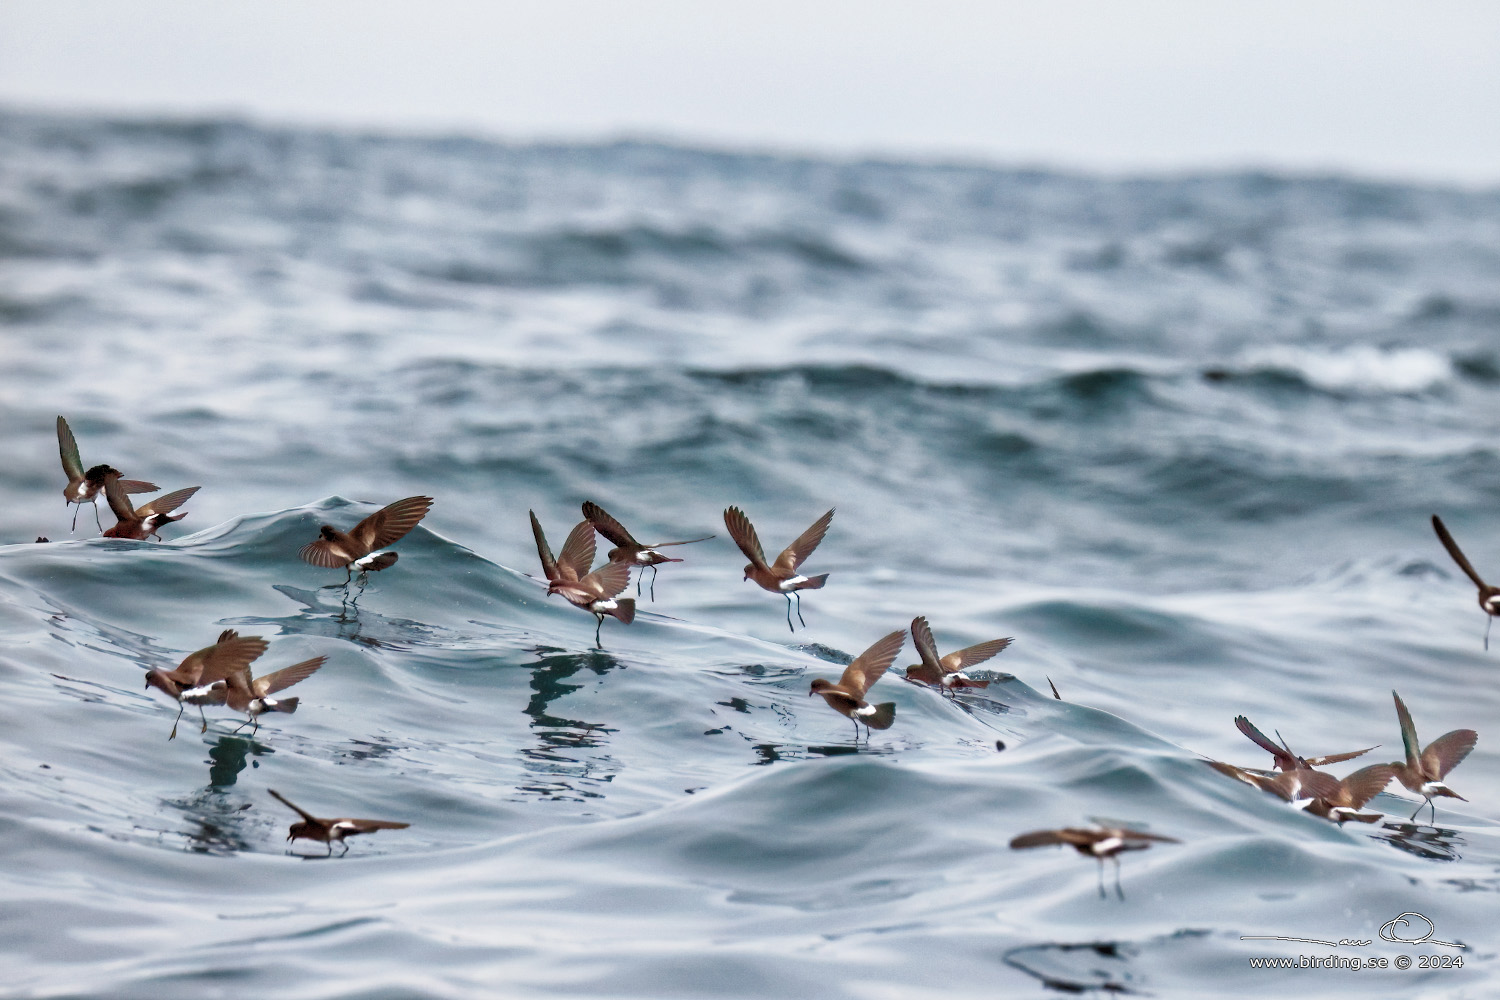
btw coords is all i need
(1393, 930)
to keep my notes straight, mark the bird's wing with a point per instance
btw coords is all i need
(921, 637)
(970, 655)
(1448, 543)
(1408, 732)
(371, 825)
(1448, 750)
(1366, 783)
(1127, 833)
(608, 526)
(1040, 838)
(549, 564)
(295, 808)
(167, 503)
(608, 580)
(871, 665)
(231, 658)
(1338, 758)
(578, 551)
(743, 533)
(67, 447)
(139, 486)
(116, 498)
(321, 553)
(795, 554)
(1259, 738)
(390, 523)
(284, 678)
(688, 541)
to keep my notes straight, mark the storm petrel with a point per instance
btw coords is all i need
(627, 549)
(1489, 597)
(780, 577)
(85, 486)
(596, 592)
(948, 672)
(1104, 842)
(359, 548)
(847, 697)
(1423, 771)
(199, 670)
(330, 830)
(1282, 756)
(140, 523)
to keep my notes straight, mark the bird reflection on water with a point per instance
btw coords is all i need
(565, 773)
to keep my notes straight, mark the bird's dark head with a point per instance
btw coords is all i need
(300, 829)
(329, 533)
(98, 472)
(748, 568)
(819, 684)
(157, 679)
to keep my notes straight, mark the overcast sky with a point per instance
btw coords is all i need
(1377, 87)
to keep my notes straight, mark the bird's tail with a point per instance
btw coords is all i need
(625, 610)
(287, 705)
(814, 583)
(883, 716)
(964, 682)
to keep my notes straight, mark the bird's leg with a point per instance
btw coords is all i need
(790, 627)
(346, 848)
(330, 849)
(638, 580)
(1102, 893)
(1118, 890)
(1417, 810)
(348, 574)
(1434, 811)
(598, 644)
(1488, 621)
(204, 718)
(97, 523)
(653, 584)
(180, 707)
(799, 608)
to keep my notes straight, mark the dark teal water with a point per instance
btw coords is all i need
(1180, 437)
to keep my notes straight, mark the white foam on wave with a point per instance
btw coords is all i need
(1362, 368)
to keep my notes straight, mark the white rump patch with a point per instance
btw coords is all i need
(792, 583)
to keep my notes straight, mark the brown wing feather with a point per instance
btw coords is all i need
(1448, 751)
(1039, 838)
(608, 526)
(1408, 732)
(1257, 737)
(921, 637)
(116, 498)
(970, 655)
(390, 523)
(167, 503)
(138, 486)
(295, 808)
(578, 551)
(1338, 758)
(67, 448)
(871, 665)
(743, 533)
(1450, 545)
(284, 678)
(1366, 783)
(230, 658)
(320, 553)
(371, 825)
(1143, 835)
(549, 563)
(608, 580)
(795, 554)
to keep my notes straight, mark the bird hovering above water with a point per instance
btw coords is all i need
(1423, 771)
(1299, 786)
(250, 695)
(627, 549)
(1282, 756)
(330, 830)
(190, 681)
(85, 486)
(358, 549)
(140, 523)
(847, 697)
(780, 577)
(948, 672)
(596, 592)
(1104, 842)
(1489, 597)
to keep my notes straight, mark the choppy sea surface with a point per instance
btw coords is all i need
(1179, 436)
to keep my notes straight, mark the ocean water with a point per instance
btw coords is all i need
(1179, 436)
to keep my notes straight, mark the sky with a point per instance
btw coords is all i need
(1371, 87)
